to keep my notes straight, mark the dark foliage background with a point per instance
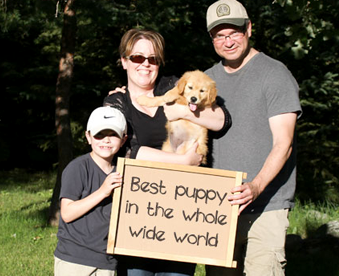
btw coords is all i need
(302, 34)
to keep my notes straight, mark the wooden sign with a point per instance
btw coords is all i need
(174, 212)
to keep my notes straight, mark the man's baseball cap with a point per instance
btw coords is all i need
(107, 118)
(226, 12)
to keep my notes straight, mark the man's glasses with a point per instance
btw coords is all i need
(234, 36)
(140, 59)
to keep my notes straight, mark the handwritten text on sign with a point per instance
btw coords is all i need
(174, 213)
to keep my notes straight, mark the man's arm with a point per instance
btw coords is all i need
(282, 127)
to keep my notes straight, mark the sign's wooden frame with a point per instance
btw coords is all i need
(117, 213)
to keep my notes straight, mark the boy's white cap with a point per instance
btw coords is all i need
(226, 12)
(107, 118)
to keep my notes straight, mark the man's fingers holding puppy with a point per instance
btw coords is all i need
(118, 89)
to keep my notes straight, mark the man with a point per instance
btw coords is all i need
(262, 98)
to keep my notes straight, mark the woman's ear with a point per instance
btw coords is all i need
(123, 62)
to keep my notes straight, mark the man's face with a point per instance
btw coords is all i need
(231, 42)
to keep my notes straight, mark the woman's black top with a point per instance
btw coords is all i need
(144, 130)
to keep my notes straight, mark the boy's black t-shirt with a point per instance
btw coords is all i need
(84, 241)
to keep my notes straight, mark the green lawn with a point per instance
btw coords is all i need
(27, 242)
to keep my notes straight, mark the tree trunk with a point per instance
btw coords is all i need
(62, 112)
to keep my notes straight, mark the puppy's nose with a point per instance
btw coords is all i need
(193, 99)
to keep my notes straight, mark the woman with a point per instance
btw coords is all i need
(142, 53)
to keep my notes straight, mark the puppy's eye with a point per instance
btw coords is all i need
(202, 90)
(190, 87)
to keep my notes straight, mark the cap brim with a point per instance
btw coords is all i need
(96, 130)
(232, 21)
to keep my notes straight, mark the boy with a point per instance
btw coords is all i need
(86, 187)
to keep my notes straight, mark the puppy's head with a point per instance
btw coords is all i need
(199, 90)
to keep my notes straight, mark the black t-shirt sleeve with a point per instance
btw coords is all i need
(227, 123)
(72, 181)
(118, 101)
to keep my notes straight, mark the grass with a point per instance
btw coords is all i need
(27, 242)
(314, 255)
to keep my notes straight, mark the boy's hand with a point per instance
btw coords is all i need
(111, 182)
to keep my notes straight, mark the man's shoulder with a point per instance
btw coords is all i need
(269, 61)
(214, 69)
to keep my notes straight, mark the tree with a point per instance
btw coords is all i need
(62, 103)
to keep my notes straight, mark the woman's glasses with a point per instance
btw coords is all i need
(140, 59)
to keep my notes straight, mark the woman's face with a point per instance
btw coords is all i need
(141, 75)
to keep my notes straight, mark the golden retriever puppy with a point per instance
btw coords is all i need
(196, 90)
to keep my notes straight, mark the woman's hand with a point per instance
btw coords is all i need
(192, 157)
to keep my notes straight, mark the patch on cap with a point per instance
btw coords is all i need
(223, 9)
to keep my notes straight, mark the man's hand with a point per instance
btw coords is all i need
(118, 89)
(244, 194)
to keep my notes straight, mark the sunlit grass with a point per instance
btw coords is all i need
(27, 243)
(306, 218)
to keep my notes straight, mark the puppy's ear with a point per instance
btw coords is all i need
(182, 83)
(212, 93)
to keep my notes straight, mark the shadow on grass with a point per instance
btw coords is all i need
(312, 256)
(26, 181)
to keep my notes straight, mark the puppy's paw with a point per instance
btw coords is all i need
(146, 101)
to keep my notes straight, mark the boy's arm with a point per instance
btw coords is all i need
(73, 209)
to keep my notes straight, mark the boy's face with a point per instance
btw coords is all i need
(106, 143)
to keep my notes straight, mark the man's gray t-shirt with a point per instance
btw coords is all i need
(84, 241)
(263, 88)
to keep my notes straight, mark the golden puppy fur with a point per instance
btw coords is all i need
(196, 90)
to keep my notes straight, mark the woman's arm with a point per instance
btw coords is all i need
(191, 157)
(212, 118)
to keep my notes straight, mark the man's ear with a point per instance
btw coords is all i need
(249, 28)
